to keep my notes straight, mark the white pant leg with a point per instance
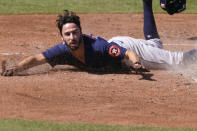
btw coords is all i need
(153, 42)
(150, 52)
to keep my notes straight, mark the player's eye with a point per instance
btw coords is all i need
(76, 32)
(67, 34)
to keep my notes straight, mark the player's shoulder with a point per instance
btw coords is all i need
(94, 40)
(62, 46)
(90, 36)
(59, 48)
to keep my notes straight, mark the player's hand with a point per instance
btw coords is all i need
(138, 68)
(9, 72)
(6, 72)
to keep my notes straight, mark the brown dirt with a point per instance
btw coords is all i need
(66, 94)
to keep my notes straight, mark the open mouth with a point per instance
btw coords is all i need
(74, 45)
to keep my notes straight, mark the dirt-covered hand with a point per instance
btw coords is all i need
(6, 72)
(138, 68)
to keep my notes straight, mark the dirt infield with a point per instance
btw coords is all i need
(66, 94)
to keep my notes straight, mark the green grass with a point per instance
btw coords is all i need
(21, 125)
(81, 6)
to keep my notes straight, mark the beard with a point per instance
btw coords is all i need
(74, 45)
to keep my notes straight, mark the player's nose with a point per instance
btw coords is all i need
(71, 36)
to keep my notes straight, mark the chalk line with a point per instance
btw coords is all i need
(12, 53)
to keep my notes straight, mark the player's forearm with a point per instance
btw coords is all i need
(134, 62)
(132, 56)
(29, 62)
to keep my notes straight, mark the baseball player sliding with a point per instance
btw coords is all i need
(90, 51)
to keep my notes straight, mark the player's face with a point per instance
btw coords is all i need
(71, 35)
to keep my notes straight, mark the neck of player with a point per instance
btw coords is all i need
(79, 53)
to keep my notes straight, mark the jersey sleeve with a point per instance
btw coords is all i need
(112, 50)
(111, 54)
(57, 55)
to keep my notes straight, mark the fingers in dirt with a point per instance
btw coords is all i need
(6, 72)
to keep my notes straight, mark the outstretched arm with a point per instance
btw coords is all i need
(25, 64)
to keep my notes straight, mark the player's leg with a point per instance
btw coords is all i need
(150, 29)
(151, 57)
(164, 59)
(155, 58)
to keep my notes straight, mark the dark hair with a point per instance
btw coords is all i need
(67, 17)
